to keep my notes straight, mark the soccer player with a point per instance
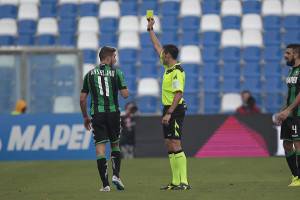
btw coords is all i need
(289, 118)
(103, 83)
(173, 110)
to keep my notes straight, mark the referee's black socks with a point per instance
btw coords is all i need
(102, 169)
(116, 160)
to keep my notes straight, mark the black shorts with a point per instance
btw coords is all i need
(106, 127)
(290, 129)
(174, 129)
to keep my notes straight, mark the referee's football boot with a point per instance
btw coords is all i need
(184, 186)
(170, 186)
(118, 183)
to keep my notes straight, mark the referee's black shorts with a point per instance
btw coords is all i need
(174, 129)
(106, 127)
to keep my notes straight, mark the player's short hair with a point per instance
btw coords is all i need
(105, 52)
(292, 46)
(297, 50)
(172, 50)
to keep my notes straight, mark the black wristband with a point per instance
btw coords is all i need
(150, 29)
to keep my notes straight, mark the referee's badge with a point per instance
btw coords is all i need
(176, 84)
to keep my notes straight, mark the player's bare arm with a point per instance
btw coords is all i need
(83, 104)
(154, 39)
(176, 100)
(124, 93)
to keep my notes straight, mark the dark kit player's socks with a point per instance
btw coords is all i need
(291, 160)
(298, 163)
(116, 160)
(102, 168)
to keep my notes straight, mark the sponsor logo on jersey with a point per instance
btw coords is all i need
(291, 80)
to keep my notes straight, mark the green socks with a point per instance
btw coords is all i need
(174, 170)
(181, 164)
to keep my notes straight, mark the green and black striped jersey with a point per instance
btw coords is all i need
(293, 83)
(103, 84)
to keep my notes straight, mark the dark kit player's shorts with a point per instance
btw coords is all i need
(290, 129)
(106, 127)
(174, 129)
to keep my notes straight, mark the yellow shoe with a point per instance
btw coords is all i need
(295, 182)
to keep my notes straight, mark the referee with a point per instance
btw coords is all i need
(173, 110)
(103, 83)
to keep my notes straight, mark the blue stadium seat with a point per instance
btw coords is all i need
(145, 40)
(89, 56)
(148, 55)
(252, 6)
(8, 11)
(258, 98)
(231, 54)
(251, 69)
(7, 40)
(272, 53)
(147, 104)
(272, 37)
(36, 61)
(210, 7)
(212, 102)
(190, 38)
(46, 40)
(40, 104)
(131, 84)
(190, 23)
(66, 40)
(129, 8)
(108, 25)
(274, 84)
(170, 8)
(211, 38)
(54, 2)
(231, 22)
(251, 54)
(272, 22)
(169, 37)
(210, 54)
(231, 84)
(252, 83)
(48, 10)
(272, 68)
(123, 102)
(191, 84)
(291, 37)
(211, 83)
(191, 70)
(7, 103)
(274, 102)
(25, 40)
(211, 69)
(64, 80)
(67, 10)
(148, 70)
(231, 68)
(108, 39)
(285, 71)
(67, 26)
(128, 55)
(128, 69)
(291, 22)
(192, 101)
(27, 27)
(148, 5)
(169, 23)
(89, 9)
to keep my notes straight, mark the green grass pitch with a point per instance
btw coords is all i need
(213, 178)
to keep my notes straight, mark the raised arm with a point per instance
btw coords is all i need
(154, 39)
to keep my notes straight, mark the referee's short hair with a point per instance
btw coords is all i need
(172, 50)
(105, 52)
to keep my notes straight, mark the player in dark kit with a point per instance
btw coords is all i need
(289, 118)
(173, 111)
(103, 84)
